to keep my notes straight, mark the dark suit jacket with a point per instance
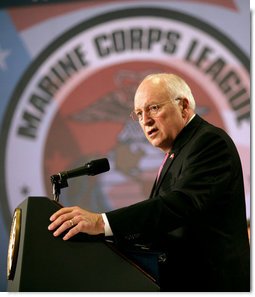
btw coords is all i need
(196, 214)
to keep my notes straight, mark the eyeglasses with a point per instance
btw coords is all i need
(151, 110)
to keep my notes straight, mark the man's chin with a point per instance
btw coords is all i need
(155, 143)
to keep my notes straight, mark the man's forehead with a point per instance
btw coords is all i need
(149, 93)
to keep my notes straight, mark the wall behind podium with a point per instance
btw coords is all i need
(68, 72)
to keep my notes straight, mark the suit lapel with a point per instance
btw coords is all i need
(153, 190)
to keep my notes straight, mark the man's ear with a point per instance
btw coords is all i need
(184, 103)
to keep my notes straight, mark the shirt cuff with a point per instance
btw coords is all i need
(107, 228)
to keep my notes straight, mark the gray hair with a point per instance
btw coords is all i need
(177, 87)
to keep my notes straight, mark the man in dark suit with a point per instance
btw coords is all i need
(196, 212)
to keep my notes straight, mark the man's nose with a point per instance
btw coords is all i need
(146, 118)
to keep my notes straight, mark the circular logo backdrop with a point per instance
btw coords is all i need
(73, 104)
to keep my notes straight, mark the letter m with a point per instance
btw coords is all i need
(30, 125)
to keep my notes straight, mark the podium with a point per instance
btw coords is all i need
(40, 262)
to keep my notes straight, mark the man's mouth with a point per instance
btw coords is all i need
(151, 132)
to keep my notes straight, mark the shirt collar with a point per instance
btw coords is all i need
(190, 119)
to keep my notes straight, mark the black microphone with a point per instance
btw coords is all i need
(92, 168)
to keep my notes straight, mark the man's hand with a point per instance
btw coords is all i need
(77, 220)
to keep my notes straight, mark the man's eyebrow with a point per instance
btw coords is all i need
(146, 106)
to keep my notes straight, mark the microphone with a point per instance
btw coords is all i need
(92, 168)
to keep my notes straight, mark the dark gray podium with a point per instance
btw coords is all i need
(39, 262)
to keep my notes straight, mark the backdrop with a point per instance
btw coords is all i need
(68, 72)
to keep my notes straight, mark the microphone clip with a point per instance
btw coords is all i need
(59, 181)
